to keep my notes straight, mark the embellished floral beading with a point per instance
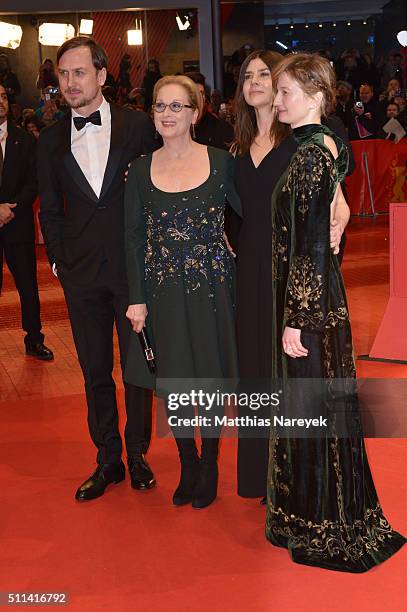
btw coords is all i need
(187, 244)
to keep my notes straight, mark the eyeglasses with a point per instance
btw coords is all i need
(176, 107)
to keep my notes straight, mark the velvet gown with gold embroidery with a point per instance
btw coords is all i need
(322, 503)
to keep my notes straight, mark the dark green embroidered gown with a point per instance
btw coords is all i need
(322, 503)
(178, 264)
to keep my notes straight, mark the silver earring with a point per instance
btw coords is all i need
(193, 131)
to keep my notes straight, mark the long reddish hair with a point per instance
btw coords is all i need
(246, 124)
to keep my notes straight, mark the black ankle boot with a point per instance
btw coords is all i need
(189, 472)
(207, 486)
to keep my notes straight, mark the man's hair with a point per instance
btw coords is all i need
(99, 57)
(196, 77)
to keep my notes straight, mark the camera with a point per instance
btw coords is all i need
(359, 105)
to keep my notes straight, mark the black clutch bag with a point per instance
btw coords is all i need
(147, 350)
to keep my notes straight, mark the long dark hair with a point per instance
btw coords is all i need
(246, 124)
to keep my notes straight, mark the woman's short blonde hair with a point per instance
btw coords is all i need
(313, 74)
(192, 91)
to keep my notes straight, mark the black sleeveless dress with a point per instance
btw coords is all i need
(254, 299)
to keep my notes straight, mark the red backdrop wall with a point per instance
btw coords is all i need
(110, 30)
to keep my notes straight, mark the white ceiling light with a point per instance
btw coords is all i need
(55, 34)
(402, 38)
(10, 35)
(86, 26)
(135, 37)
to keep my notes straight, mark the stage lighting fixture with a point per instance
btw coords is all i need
(135, 37)
(320, 25)
(183, 26)
(55, 34)
(402, 38)
(86, 26)
(10, 35)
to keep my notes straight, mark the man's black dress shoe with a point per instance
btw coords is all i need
(105, 474)
(141, 475)
(39, 351)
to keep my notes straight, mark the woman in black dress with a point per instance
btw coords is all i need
(263, 149)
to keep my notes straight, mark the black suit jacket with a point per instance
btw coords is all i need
(80, 229)
(19, 184)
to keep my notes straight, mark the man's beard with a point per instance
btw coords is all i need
(81, 102)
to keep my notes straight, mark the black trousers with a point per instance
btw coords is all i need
(22, 263)
(94, 310)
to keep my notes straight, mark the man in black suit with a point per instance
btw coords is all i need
(18, 190)
(82, 161)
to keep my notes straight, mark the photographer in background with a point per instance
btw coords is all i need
(344, 102)
(393, 69)
(9, 80)
(394, 127)
(392, 89)
(124, 81)
(46, 75)
(210, 129)
(33, 125)
(152, 75)
(48, 110)
(366, 114)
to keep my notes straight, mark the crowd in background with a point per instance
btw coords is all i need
(370, 96)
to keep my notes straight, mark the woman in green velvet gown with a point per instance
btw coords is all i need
(322, 503)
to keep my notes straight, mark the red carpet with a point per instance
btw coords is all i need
(132, 550)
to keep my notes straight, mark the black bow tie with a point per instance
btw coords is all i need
(94, 118)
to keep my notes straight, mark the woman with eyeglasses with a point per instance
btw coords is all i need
(180, 272)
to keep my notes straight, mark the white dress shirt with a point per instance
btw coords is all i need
(3, 137)
(90, 146)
